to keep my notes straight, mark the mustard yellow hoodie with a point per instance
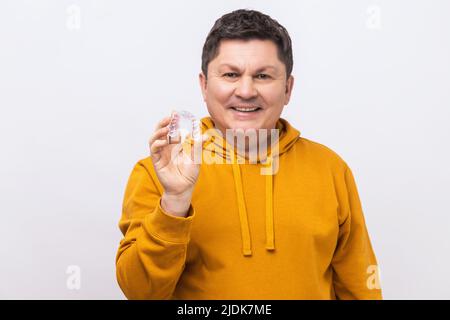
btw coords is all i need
(296, 234)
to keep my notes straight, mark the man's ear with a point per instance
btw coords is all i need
(203, 82)
(288, 90)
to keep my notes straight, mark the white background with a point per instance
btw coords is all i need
(83, 83)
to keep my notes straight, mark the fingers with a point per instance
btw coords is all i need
(160, 130)
(159, 138)
(164, 122)
(156, 146)
(160, 134)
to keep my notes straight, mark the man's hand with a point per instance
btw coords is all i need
(175, 168)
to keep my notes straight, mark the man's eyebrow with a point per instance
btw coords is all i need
(229, 65)
(263, 68)
(268, 67)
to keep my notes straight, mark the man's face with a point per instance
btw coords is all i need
(246, 74)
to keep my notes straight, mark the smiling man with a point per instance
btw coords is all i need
(227, 229)
(246, 85)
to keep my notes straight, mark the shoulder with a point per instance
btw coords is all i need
(320, 154)
(145, 164)
(142, 167)
(143, 173)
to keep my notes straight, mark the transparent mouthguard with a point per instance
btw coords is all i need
(183, 125)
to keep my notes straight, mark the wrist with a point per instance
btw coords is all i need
(176, 204)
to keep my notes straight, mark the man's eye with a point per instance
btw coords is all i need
(263, 76)
(230, 74)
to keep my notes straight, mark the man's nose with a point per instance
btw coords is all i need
(246, 88)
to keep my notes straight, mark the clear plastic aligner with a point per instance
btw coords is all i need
(183, 125)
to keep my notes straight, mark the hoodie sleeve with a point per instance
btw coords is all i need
(152, 253)
(356, 273)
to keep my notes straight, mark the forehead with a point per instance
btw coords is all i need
(252, 52)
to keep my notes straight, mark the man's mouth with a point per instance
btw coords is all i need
(246, 109)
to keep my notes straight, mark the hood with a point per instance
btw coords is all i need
(288, 135)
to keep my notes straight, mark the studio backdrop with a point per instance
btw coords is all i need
(83, 84)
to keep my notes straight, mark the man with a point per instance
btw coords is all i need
(224, 229)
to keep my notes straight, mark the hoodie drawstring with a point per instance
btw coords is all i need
(243, 217)
(270, 238)
(245, 230)
(288, 137)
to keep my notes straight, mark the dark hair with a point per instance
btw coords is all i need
(247, 24)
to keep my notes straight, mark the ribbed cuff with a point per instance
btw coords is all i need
(167, 227)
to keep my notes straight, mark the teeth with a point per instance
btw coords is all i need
(245, 109)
